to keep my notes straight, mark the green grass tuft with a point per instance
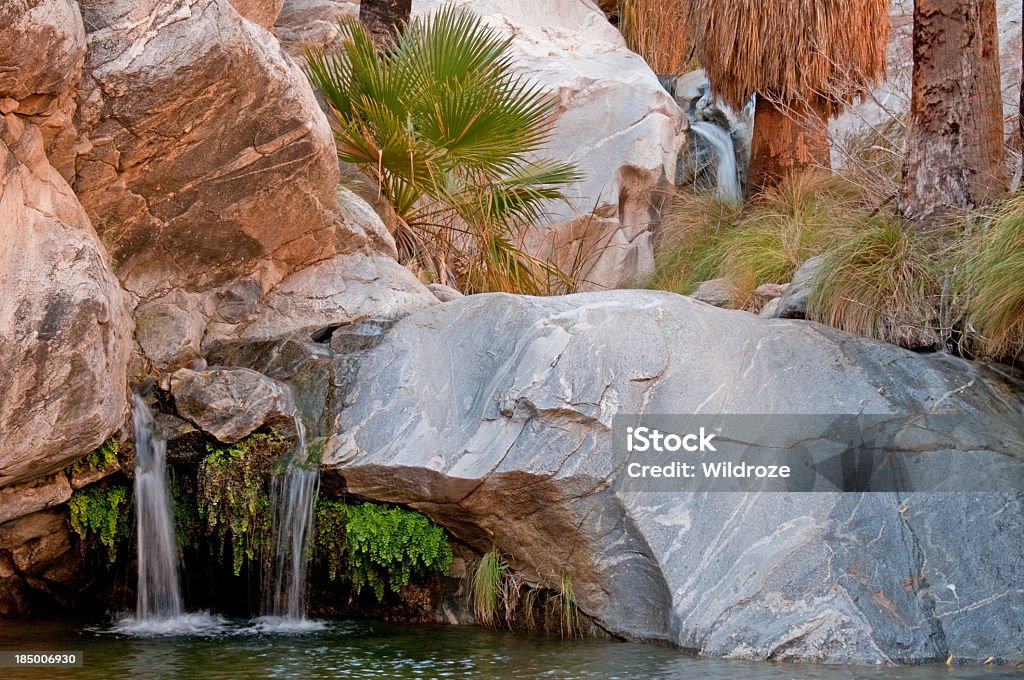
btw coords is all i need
(882, 282)
(765, 241)
(486, 586)
(992, 284)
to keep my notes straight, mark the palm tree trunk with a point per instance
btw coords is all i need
(787, 142)
(954, 154)
(384, 19)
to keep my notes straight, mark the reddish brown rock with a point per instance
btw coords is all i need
(210, 158)
(42, 49)
(262, 12)
(64, 325)
(39, 494)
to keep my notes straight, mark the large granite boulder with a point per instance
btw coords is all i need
(42, 49)
(312, 23)
(262, 12)
(494, 414)
(211, 172)
(210, 158)
(614, 120)
(65, 331)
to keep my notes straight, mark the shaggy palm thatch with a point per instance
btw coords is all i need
(791, 49)
(656, 30)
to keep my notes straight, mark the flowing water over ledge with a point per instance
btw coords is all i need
(260, 649)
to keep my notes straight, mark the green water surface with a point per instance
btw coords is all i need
(242, 649)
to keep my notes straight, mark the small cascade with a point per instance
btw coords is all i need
(159, 591)
(720, 144)
(293, 494)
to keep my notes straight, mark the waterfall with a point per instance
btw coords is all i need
(720, 144)
(293, 496)
(159, 592)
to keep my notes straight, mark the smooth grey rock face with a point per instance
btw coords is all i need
(493, 415)
(716, 292)
(793, 303)
(231, 403)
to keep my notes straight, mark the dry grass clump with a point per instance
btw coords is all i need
(992, 284)
(791, 49)
(657, 31)
(763, 242)
(881, 281)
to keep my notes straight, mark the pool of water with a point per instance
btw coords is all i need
(219, 648)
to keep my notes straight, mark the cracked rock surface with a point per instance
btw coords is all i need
(493, 415)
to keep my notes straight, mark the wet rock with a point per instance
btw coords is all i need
(511, 446)
(232, 403)
(64, 325)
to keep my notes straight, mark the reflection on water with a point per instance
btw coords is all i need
(257, 649)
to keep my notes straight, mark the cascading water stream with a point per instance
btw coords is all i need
(293, 495)
(159, 590)
(720, 144)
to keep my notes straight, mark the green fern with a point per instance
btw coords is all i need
(384, 547)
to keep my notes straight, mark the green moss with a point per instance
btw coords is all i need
(101, 513)
(331, 520)
(379, 547)
(187, 525)
(103, 458)
(232, 495)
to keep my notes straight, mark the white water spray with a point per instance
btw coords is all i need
(293, 496)
(720, 144)
(159, 591)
